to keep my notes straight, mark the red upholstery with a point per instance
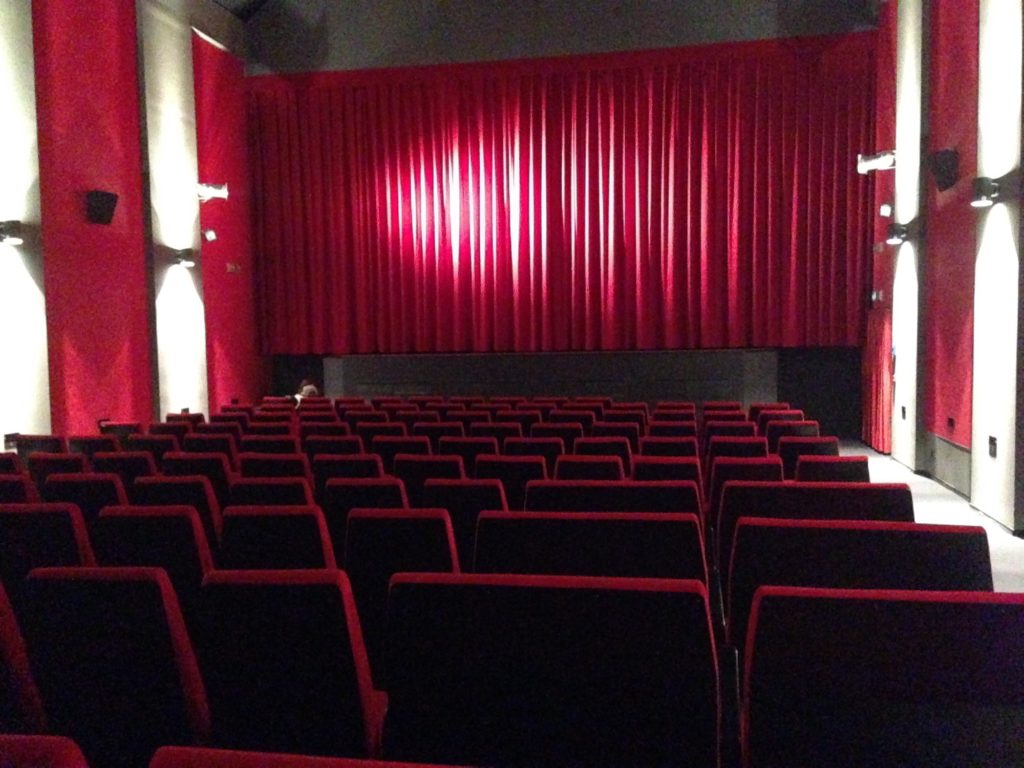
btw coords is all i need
(792, 448)
(654, 445)
(91, 491)
(853, 678)
(713, 429)
(269, 444)
(853, 554)
(775, 430)
(468, 448)
(275, 537)
(576, 467)
(157, 445)
(524, 417)
(232, 428)
(389, 446)
(668, 468)
(608, 446)
(11, 464)
(18, 489)
(737, 447)
(514, 472)
(289, 491)
(755, 409)
(213, 466)
(548, 447)
(26, 445)
(143, 690)
(42, 464)
(850, 469)
(195, 442)
(190, 490)
(284, 663)
(343, 494)
(628, 430)
(672, 428)
(315, 445)
(328, 429)
(382, 542)
(414, 471)
(371, 429)
(634, 544)
(550, 670)
(434, 432)
(567, 431)
(809, 501)
(464, 500)
(38, 535)
(177, 429)
(786, 414)
(728, 468)
(88, 445)
(612, 496)
(21, 710)
(275, 465)
(585, 419)
(128, 465)
(329, 466)
(499, 430)
(39, 751)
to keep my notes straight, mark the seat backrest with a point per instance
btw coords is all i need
(126, 464)
(781, 414)
(514, 472)
(288, 491)
(91, 491)
(668, 468)
(143, 690)
(337, 445)
(434, 431)
(890, 502)
(576, 467)
(755, 409)
(775, 430)
(11, 463)
(728, 468)
(629, 430)
(21, 709)
(792, 447)
(499, 430)
(343, 494)
(189, 490)
(177, 429)
(851, 554)
(283, 658)
(18, 489)
(850, 677)
(550, 670)
(168, 537)
(389, 446)
(568, 432)
(89, 445)
(42, 464)
(464, 500)
(30, 751)
(213, 466)
(195, 442)
(414, 470)
(39, 535)
(26, 445)
(634, 544)
(274, 465)
(156, 445)
(269, 444)
(654, 445)
(330, 466)
(382, 542)
(848, 469)
(612, 496)
(668, 428)
(737, 447)
(548, 447)
(469, 448)
(275, 537)
(322, 429)
(609, 446)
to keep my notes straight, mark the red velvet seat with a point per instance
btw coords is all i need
(436, 430)
(18, 489)
(632, 544)
(514, 472)
(550, 448)
(143, 690)
(128, 465)
(156, 445)
(323, 429)
(26, 445)
(775, 430)
(233, 428)
(275, 537)
(568, 432)
(269, 444)
(343, 494)
(415, 470)
(550, 670)
(668, 468)
(576, 467)
(89, 445)
(275, 465)
(612, 496)
(11, 464)
(630, 430)
(850, 469)
(91, 491)
(215, 467)
(196, 442)
(189, 490)
(389, 446)
(728, 468)
(499, 430)
(654, 445)
(42, 464)
(468, 448)
(314, 445)
(283, 658)
(177, 429)
(464, 500)
(39, 535)
(713, 429)
(608, 446)
(755, 409)
(883, 677)
(792, 448)
(785, 414)
(286, 491)
(666, 428)
(25, 751)
(21, 709)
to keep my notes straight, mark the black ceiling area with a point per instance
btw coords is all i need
(243, 9)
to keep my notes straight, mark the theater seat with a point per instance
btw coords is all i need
(576, 467)
(850, 469)
(42, 464)
(11, 464)
(91, 491)
(792, 447)
(464, 500)
(190, 490)
(198, 757)
(514, 472)
(612, 496)
(128, 465)
(39, 752)
(21, 709)
(143, 689)
(275, 537)
(341, 495)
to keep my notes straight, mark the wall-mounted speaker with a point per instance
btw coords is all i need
(99, 206)
(944, 165)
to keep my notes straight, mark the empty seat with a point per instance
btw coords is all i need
(729, 468)
(464, 500)
(275, 537)
(189, 490)
(415, 470)
(17, 489)
(568, 432)
(88, 445)
(722, 405)
(21, 710)
(628, 430)
(575, 467)
(636, 544)
(584, 418)
(468, 448)
(514, 472)
(890, 502)
(548, 447)
(272, 428)
(883, 677)
(284, 663)
(608, 446)
(11, 464)
(274, 465)
(850, 469)
(30, 751)
(329, 466)
(465, 418)
(177, 429)
(91, 491)
(668, 446)
(666, 428)
(26, 445)
(206, 444)
(852, 554)
(42, 464)
(612, 496)
(714, 429)
(435, 431)
(170, 537)
(499, 430)
(668, 468)
(523, 417)
(142, 689)
(735, 447)
(343, 494)
(269, 444)
(791, 448)
(775, 430)
(157, 445)
(323, 429)
(128, 465)
(786, 414)
(186, 416)
(550, 670)
(39, 535)
(382, 542)
(389, 446)
(213, 466)
(314, 445)
(369, 430)
(288, 491)
(755, 409)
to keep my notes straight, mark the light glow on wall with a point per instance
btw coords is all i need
(904, 345)
(181, 328)
(24, 387)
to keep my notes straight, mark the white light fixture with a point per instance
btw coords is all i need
(898, 234)
(10, 233)
(209, 192)
(209, 235)
(885, 210)
(880, 161)
(185, 258)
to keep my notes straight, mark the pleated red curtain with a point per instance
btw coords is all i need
(692, 198)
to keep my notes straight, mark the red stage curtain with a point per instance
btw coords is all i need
(693, 198)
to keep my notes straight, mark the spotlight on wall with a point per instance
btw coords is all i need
(885, 210)
(880, 161)
(898, 234)
(209, 235)
(10, 233)
(986, 192)
(209, 192)
(185, 258)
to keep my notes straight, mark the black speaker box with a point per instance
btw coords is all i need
(99, 206)
(945, 167)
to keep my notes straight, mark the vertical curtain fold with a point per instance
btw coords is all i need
(693, 198)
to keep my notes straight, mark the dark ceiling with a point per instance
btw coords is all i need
(243, 9)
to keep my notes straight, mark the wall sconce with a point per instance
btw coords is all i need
(880, 161)
(10, 233)
(986, 192)
(885, 210)
(898, 234)
(185, 258)
(209, 235)
(209, 192)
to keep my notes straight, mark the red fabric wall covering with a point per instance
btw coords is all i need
(951, 224)
(877, 358)
(95, 276)
(692, 198)
(235, 367)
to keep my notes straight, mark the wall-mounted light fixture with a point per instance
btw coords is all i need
(185, 258)
(209, 192)
(209, 235)
(898, 234)
(10, 233)
(880, 161)
(885, 210)
(986, 192)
